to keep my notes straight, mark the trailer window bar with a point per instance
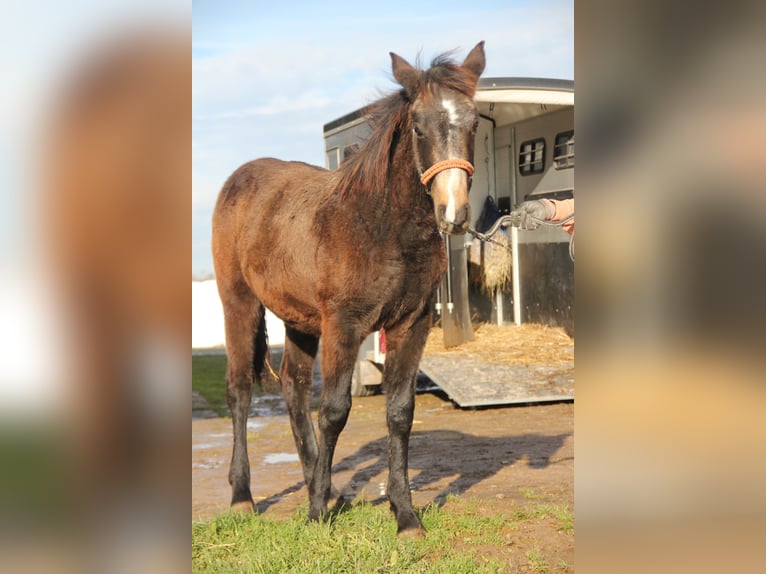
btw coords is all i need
(532, 156)
(563, 150)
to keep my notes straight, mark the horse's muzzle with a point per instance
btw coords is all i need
(459, 224)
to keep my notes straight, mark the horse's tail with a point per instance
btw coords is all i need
(264, 372)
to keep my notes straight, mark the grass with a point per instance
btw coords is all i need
(462, 538)
(362, 539)
(560, 514)
(537, 561)
(209, 379)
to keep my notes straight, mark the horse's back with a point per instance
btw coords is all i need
(263, 177)
(263, 231)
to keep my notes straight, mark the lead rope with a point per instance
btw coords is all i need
(505, 221)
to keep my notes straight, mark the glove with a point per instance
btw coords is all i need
(529, 214)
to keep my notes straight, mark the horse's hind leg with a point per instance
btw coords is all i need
(296, 376)
(404, 348)
(244, 320)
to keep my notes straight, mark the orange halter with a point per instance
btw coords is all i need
(445, 164)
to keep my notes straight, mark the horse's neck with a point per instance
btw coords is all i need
(410, 206)
(403, 187)
(400, 207)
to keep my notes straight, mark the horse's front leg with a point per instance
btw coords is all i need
(404, 348)
(340, 346)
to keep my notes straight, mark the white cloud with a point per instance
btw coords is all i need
(243, 81)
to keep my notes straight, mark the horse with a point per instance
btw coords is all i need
(340, 254)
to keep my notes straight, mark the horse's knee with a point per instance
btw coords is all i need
(334, 413)
(400, 410)
(399, 420)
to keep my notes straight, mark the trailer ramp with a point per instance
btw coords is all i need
(472, 381)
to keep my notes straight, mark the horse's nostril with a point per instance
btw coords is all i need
(458, 219)
(462, 216)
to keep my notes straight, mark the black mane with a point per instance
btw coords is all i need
(366, 171)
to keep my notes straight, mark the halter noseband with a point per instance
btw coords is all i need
(429, 174)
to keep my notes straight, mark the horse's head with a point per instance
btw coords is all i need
(443, 120)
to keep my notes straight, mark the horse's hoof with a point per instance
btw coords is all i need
(243, 506)
(318, 515)
(415, 533)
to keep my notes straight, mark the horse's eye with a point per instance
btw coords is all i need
(418, 131)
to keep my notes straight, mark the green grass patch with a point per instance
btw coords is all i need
(560, 514)
(531, 494)
(539, 509)
(537, 561)
(209, 380)
(463, 537)
(360, 539)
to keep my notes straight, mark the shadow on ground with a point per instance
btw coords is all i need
(466, 463)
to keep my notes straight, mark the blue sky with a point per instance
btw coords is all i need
(268, 75)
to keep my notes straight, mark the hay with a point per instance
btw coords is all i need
(524, 345)
(497, 262)
(494, 261)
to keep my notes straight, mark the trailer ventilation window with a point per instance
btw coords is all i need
(563, 150)
(532, 156)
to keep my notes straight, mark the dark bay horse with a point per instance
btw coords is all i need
(340, 254)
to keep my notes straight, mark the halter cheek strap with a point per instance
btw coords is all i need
(429, 174)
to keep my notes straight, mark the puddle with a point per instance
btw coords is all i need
(279, 457)
(267, 406)
(273, 404)
(207, 445)
(210, 464)
(253, 425)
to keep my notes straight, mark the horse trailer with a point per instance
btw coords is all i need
(524, 150)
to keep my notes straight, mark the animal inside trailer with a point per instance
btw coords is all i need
(523, 150)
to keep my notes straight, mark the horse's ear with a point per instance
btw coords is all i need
(407, 76)
(475, 61)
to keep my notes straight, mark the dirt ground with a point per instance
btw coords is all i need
(497, 455)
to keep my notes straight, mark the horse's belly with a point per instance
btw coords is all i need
(292, 301)
(296, 313)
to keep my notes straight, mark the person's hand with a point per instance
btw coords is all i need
(529, 214)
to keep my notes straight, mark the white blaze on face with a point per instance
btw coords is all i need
(449, 105)
(455, 177)
(452, 183)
